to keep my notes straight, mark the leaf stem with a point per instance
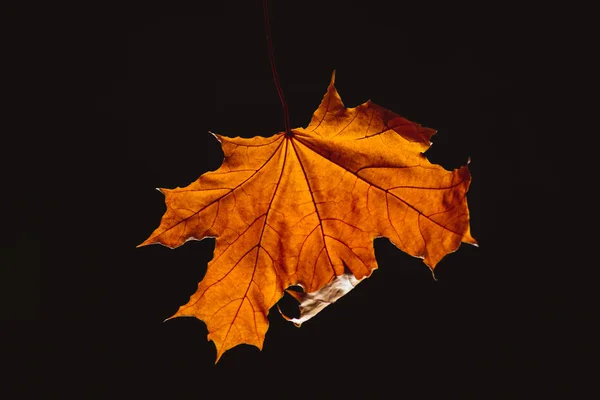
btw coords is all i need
(286, 114)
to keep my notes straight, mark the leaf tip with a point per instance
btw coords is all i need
(145, 243)
(216, 135)
(332, 78)
(435, 279)
(220, 352)
(471, 240)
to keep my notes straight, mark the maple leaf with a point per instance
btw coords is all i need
(303, 209)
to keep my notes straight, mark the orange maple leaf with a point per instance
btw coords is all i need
(304, 208)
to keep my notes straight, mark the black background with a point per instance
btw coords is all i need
(503, 320)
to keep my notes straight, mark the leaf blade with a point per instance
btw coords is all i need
(303, 210)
